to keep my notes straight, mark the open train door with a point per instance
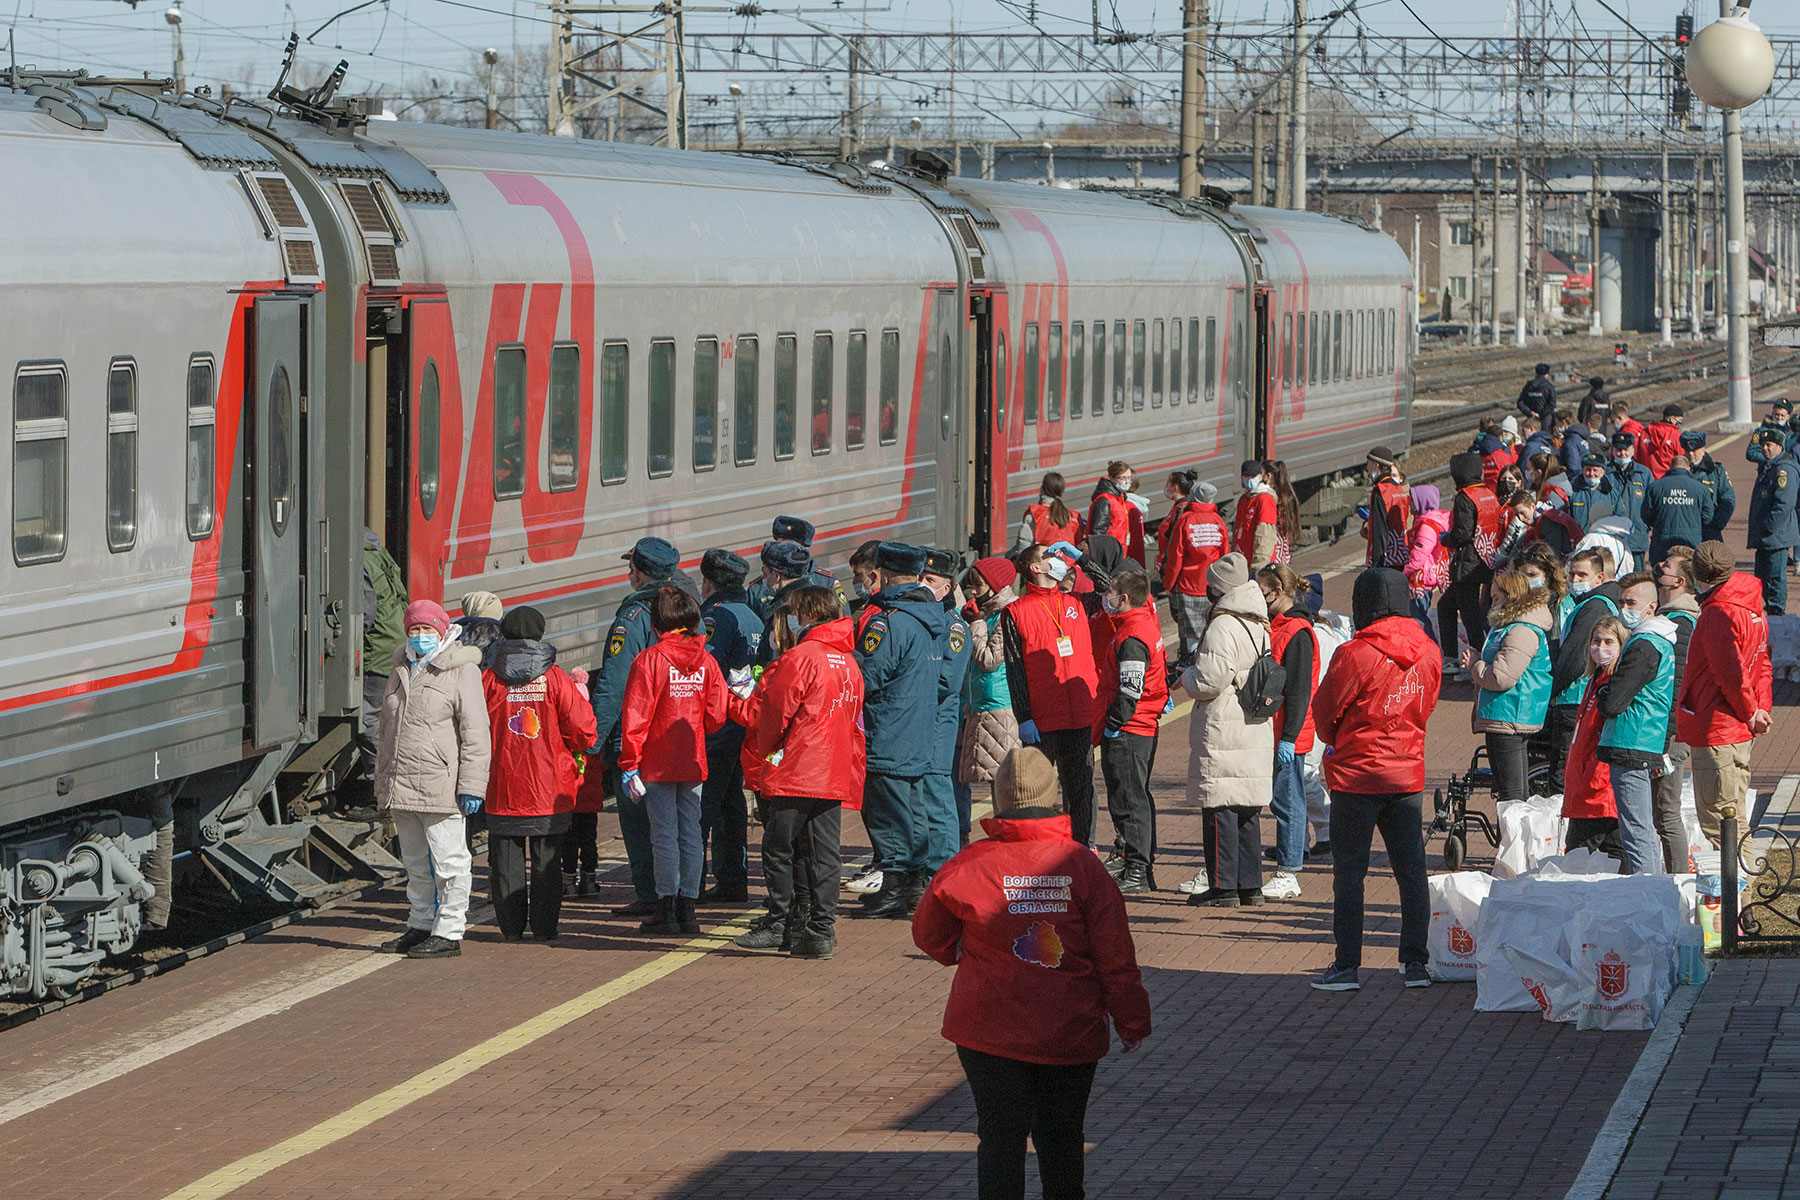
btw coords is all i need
(276, 528)
(1262, 333)
(939, 400)
(989, 502)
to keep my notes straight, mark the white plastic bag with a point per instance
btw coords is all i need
(1455, 908)
(1580, 863)
(1554, 985)
(1538, 926)
(1626, 974)
(1530, 831)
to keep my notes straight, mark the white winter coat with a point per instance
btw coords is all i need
(1230, 763)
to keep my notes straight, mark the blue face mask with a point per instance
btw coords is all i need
(1631, 617)
(1580, 587)
(424, 645)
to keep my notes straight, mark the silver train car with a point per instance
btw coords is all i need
(238, 334)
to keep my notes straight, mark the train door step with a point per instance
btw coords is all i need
(304, 863)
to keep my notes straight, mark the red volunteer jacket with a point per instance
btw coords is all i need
(1390, 511)
(810, 714)
(1657, 447)
(1110, 513)
(1728, 675)
(1036, 930)
(1494, 463)
(1134, 543)
(1143, 624)
(1196, 541)
(1281, 631)
(1587, 782)
(1045, 534)
(1251, 512)
(674, 697)
(537, 728)
(1490, 520)
(1372, 706)
(1059, 688)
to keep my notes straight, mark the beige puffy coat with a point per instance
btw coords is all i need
(986, 737)
(435, 741)
(1230, 762)
(1516, 651)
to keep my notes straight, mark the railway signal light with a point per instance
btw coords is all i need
(1684, 29)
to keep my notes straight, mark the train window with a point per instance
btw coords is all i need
(40, 462)
(1029, 364)
(660, 460)
(615, 400)
(1174, 362)
(1158, 352)
(1097, 402)
(121, 455)
(1212, 359)
(856, 388)
(1300, 349)
(1001, 365)
(1362, 343)
(946, 387)
(889, 416)
(821, 393)
(1312, 349)
(202, 436)
(1118, 366)
(1196, 377)
(509, 422)
(1053, 409)
(1138, 347)
(1287, 349)
(745, 384)
(563, 416)
(787, 393)
(1337, 346)
(280, 418)
(706, 403)
(430, 415)
(1077, 368)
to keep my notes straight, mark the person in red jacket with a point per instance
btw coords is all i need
(539, 722)
(1043, 954)
(1197, 539)
(1049, 520)
(1053, 679)
(1727, 687)
(809, 738)
(1622, 422)
(1110, 512)
(1390, 510)
(1588, 802)
(674, 697)
(1128, 710)
(1295, 645)
(1255, 523)
(1371, 710)
(1660, 443)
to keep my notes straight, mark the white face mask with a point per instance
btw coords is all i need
(1624, 460)
(1632, 617)
(1057, 568)
(1113, 604)
(1535, 582)
(1580, 587)
(1602, 656)
(1250, 481)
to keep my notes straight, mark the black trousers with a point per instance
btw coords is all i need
(725, 816)
(800, 849)
(1013, 1099)
(1463, 599)
(1599, 834)
(513, 895)
(1072, 750)
(581, 845)
(1125, 764)
(1233, 840)
(1355, 816)
(1551, 744)
(1506, 754)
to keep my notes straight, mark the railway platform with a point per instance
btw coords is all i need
(304, 1064)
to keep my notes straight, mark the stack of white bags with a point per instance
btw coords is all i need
(1562, 934)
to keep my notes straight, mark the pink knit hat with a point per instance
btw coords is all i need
(428, 612)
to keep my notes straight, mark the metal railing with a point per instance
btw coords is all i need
(1769, 912)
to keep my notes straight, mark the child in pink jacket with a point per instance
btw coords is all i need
(1427, 559)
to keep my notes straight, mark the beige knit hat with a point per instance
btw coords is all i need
(482, 604)
(1026, 779)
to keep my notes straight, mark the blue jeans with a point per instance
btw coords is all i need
(674, 813)
(1290, 814)
(1637, 819)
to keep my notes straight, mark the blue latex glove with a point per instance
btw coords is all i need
(1284, 754)
(1109, 734)
(632, 785)
(1066, 550)
(1362, 510)
(470, 805)
(1028, 733)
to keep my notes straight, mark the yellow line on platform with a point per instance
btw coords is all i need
(235, 1175)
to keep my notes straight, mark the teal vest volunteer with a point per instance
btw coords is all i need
(1644, 725)
(1573, 693)
(1527, 701)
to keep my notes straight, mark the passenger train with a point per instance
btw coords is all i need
(240, 333)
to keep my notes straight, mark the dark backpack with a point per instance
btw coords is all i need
(1260, 695)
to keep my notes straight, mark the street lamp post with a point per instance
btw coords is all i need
(1730, 64)
(173, 16)
(737, 103)
(491, 57)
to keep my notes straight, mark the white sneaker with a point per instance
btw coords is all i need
(1196, 885)
(1282, 886)
(869, 881)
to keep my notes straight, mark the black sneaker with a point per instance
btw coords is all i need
(1251, 897)
(1320, 850)
(1214, 898)
(1416, 975)
(436, 947)
(766, 933)
(1338, 979)
(721, 893)
(812, 945)
(405, 941)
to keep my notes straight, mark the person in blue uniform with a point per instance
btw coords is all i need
(1590, 496)
(653, 562)
(900, 651)
(1774, 531)
(1711, 473)
(761, 592)
(1630, 481)
(1780, 419)
(948, 805)
(734, 635)
(1677, 508)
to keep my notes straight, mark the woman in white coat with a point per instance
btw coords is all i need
(1231, 772)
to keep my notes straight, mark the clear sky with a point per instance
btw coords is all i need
(393, 42)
